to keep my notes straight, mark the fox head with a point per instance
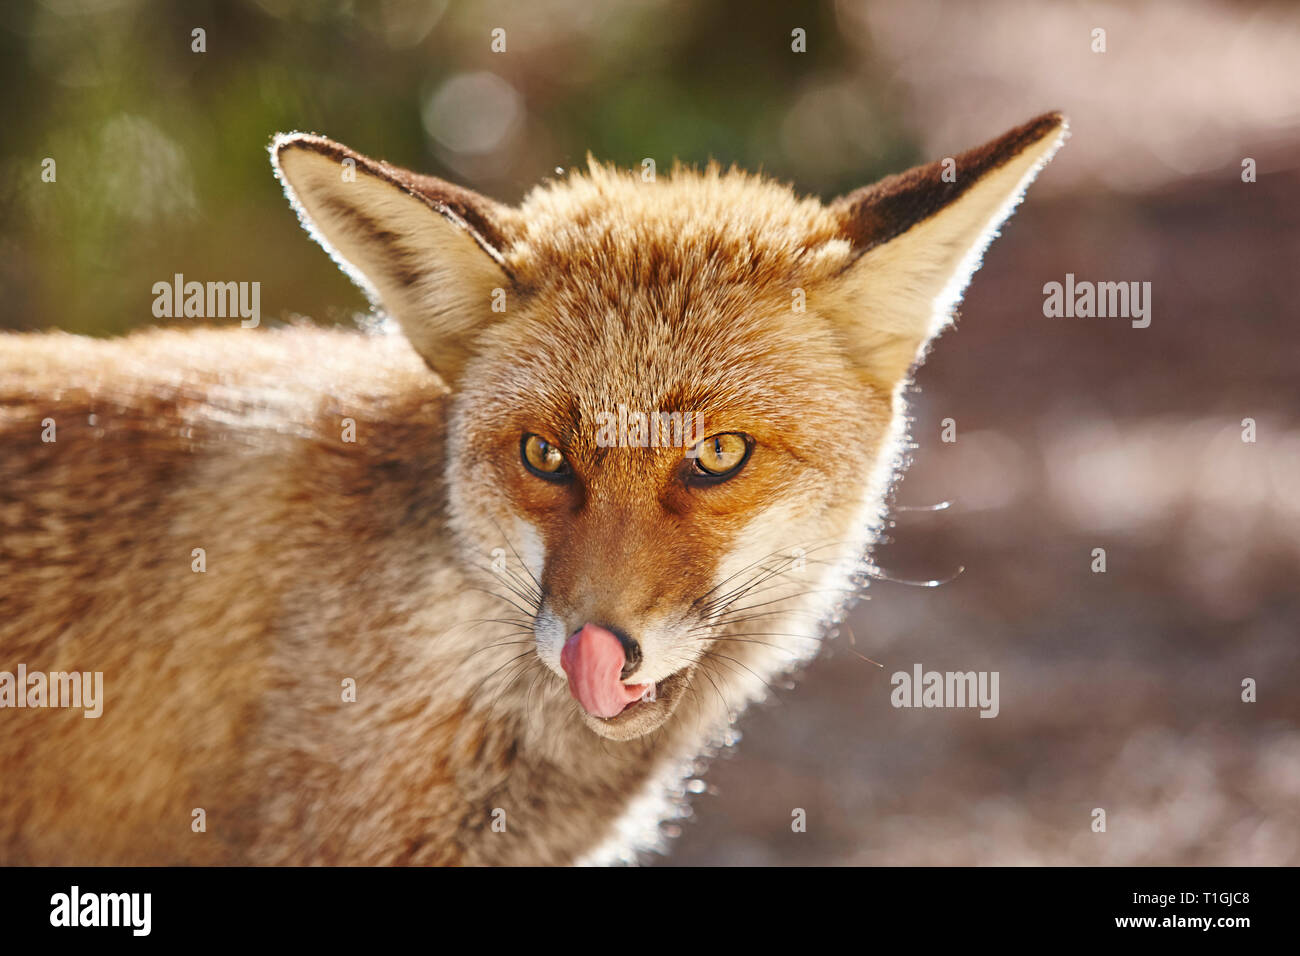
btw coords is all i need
(675, 405)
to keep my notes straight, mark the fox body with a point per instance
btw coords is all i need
(392, 598)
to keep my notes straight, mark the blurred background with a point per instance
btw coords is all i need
(1119, 690)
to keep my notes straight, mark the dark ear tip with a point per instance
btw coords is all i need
(1040, 127)
(878, 213)
(283, 143)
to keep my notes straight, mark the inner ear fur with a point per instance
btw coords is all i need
(427, 251)
(917, 239)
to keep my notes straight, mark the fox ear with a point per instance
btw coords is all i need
(918, 237)
(430, 252)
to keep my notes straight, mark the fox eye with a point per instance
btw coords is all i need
(542, 458)
(721, 456)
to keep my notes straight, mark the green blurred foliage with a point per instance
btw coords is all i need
(161, 151)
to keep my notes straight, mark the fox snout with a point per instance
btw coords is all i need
(617, 674)
(618, 631)
(601, 665)
(598, 661)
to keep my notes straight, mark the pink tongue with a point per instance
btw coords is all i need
(593, 659)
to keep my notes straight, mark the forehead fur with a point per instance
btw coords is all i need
(668, 295)
(608, 229)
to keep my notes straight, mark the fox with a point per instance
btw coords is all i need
(398, 594)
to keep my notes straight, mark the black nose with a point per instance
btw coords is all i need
(631, 652)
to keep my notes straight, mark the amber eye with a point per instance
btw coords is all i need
(721, 456)
(542, 458)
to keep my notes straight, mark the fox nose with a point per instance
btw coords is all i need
(592, 658)
(631, 652)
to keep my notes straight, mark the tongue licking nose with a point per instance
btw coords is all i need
(593, 658)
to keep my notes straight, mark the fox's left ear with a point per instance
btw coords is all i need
(431, 252)
(918, 237)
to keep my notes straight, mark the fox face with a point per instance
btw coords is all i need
(675, 407)
(631, 528)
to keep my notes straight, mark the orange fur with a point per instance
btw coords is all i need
(329, 560)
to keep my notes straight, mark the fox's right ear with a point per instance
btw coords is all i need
(430, 252)
(919, 236)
